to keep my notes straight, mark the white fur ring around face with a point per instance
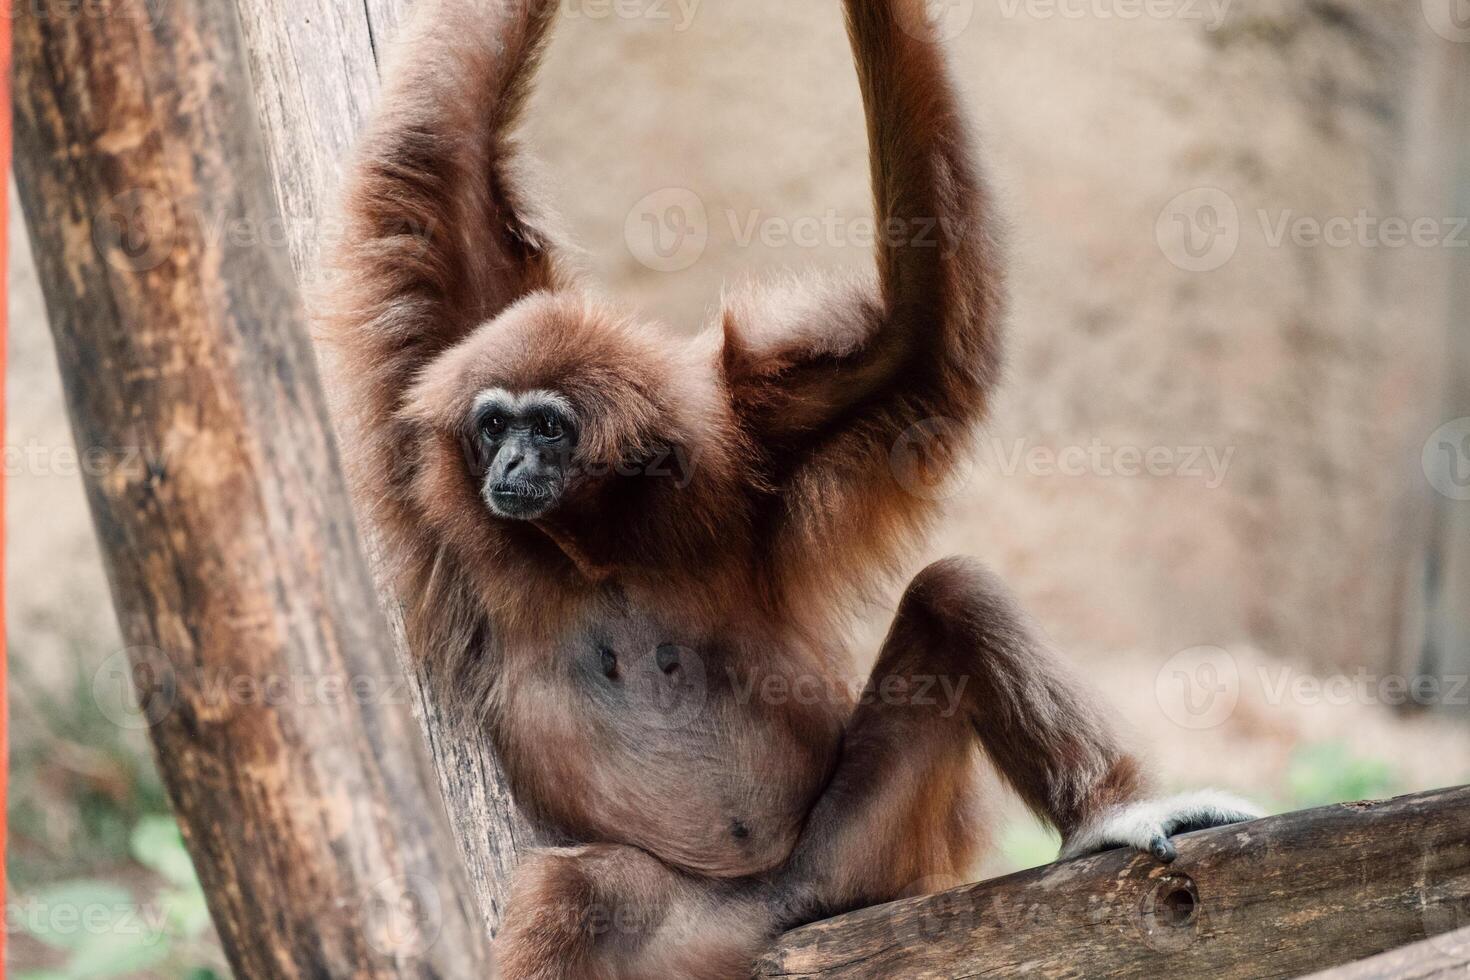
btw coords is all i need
(1148, 824)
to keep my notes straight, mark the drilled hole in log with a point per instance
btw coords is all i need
(1170, 913)
(1178, 908)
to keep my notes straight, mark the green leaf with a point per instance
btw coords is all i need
(62, 915)
(157, 844)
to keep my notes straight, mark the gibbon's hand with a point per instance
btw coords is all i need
(1147, 825)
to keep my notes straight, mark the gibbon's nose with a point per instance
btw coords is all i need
(514, 460)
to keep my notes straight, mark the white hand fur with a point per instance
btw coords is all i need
(1148, 824)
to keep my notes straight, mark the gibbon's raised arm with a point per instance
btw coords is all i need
(439, 234)
(937, 278)
(436, 207)
(828, 379)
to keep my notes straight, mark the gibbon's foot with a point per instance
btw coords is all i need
(1147, 825)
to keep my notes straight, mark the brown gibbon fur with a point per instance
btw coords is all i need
(659, 656)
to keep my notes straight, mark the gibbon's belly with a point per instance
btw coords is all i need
(685, 747)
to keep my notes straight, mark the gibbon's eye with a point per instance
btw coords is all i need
(493, 424)
(549, 427)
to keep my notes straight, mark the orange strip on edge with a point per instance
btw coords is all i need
(5, 14)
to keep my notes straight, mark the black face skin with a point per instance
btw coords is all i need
(525, 445)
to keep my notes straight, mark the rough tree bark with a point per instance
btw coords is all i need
(265, 675)
(314, 64)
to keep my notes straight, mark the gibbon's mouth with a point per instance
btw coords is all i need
(519, 500)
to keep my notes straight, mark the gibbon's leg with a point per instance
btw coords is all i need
(962, 660)
(609, 912)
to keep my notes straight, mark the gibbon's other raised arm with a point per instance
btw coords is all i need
(828, 381)
(440, 235)
(437, 205)
(938, 279)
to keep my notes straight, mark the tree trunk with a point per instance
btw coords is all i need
(315, 78)
(263, 665)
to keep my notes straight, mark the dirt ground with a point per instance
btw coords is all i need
(1284, 388)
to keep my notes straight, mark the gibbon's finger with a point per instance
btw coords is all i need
(1163, 849)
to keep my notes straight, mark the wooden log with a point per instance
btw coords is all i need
(313, 62)
(1445, 957)
(266, 677)
(1274, 898)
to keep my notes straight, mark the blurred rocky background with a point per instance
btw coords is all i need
(1229, 470)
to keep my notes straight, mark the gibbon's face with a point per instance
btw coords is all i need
(524, 442)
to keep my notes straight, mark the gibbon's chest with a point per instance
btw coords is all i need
(706, 750)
